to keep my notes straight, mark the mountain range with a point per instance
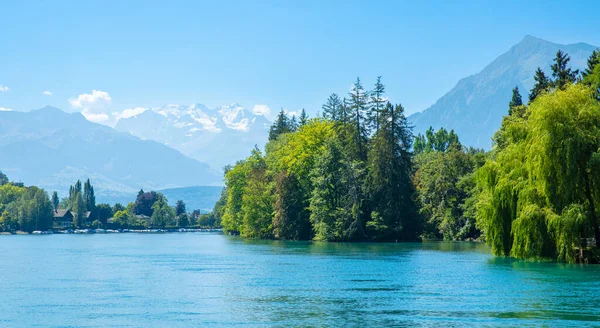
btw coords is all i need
(52, 149)
(216, 136)
(475, 106)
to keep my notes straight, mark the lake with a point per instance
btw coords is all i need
(203, 279)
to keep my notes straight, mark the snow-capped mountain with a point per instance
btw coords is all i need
(217, 136)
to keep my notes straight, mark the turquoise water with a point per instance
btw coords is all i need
(201, 279)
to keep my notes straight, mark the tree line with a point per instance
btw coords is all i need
(357, 173)
(31, 208)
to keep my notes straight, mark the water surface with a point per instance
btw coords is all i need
(201, 279)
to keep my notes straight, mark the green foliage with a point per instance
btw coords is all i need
(542, 83)
(291, 220)
(3, 179)
(180, 208)
(104, 212)
(445, 183)
(163, 215)
(281, 125)
(441, 140)
(183, 220)
(539, 191)
(516, 100)
(561, 72)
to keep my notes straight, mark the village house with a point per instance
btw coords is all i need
(64, 218)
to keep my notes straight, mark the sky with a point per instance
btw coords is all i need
(114, 58)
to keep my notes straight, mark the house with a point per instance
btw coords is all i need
(143, 218)
(62, 219)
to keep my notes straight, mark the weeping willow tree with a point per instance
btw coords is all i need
(541, 189)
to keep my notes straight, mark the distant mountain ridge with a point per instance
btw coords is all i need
(52, 149)
(217, 136)
(475, 106)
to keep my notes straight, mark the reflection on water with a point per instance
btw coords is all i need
(182, 280)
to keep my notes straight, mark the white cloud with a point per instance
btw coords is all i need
(94, 106)
(291, 113)
(3, 88)
(2, 109)
(129, 112)
(47, 93)
(263, 110)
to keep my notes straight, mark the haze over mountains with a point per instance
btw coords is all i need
(52, 149)
(475, 106)
(217, 136)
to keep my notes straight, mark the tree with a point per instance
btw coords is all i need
(257, 199)
(183, 220)
(358, 106)
(281, 125)
(542, 83)
(540, 193)
(592, 62)
(303, 118)
(394, 213)
(55, 200)
(34, 210)
(88, 196)
(3, 179)
(118, 207)
(180, 208)
(78, 207)
(144, 203)
(516, 99)
(377, 104)
(163, 215)
(331, 109)
(291, 220)
(561, 72)
(327, 202)
(104, 212)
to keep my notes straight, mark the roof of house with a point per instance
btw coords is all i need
(60, 213)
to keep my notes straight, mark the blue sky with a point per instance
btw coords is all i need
(289, 54)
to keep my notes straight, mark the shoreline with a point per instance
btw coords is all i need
(107, 231)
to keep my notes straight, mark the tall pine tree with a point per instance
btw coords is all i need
(542, 83)
(357, 104)
(515, 101)
(561, 72)
(377, 104)
(331, 109)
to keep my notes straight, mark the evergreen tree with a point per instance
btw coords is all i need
(516, 100)
(357, 104)
(303, 117)
(592, 61)
(281, 125)
(55, 200)
(331, 109)
(377, 104)
(389, 183)
(180, 208)
(88, 196)
(542, 83)
(3, 179)
(78, 209)
(561, 72)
